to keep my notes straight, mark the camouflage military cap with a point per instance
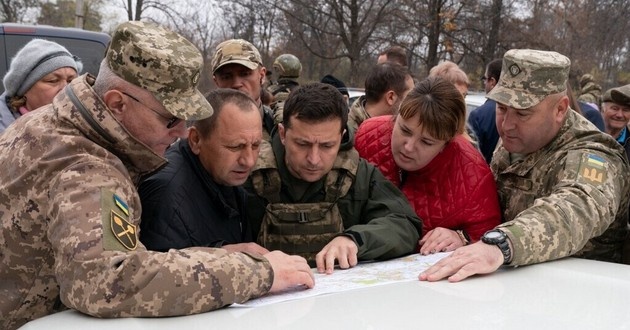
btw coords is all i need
(528, 76)
(236, 51)
(618, 95)
(586, 78)
(162, 62)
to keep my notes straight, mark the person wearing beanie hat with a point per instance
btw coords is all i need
(563, 185)
(37, 73)
(341, 87)
(69, 200)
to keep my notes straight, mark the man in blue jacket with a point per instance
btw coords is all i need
(483, 119)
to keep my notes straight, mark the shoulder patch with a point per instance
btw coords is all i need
(593, 169)
(119, 234)
(124, 231)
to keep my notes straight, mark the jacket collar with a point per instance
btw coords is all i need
(79, 106)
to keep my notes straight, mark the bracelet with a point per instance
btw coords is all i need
(463, 236)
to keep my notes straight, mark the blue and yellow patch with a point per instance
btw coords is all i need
(593, 169)
(119, 233)
(121, 205)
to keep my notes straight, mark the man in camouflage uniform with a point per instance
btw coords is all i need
(562, 183)
(237, 64)
(590, 92)
(288, 69)
(386, 86)
(69, 205)
(312, 195)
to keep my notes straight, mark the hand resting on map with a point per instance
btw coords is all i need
(289, 271)
(341, 248)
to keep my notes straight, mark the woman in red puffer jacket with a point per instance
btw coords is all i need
(424, 150)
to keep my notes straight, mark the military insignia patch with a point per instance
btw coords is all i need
(121, 205)
(119, 232)
(124, 231)
(593, 169)
(195, 78)
(514, 69)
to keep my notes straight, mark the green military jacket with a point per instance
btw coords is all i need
(70, 219)
(375, 214)
(568, 199)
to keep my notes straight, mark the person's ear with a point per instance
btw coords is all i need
(562, 107)
(391, 97)
(194, 140)
(114, 100)
(283, 133)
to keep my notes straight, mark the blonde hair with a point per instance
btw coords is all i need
(451, 72)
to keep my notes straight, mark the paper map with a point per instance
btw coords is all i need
(361, 276)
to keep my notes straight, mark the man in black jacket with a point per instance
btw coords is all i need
(196, 200)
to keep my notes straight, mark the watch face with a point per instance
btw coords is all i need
(493, 234)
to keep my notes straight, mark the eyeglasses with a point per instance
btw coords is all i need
(170, 121)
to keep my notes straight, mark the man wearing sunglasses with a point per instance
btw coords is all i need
(69, 206)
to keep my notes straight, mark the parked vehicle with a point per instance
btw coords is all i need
(89, 46)
(473, 101)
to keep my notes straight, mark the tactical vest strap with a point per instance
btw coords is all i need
(265, 176)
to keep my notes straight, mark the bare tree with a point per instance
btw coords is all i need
(350, 22)
(252, 20)
(62, 13)
(198, 24)
(14, 10)
(144, 8)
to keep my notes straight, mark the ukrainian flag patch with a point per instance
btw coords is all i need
(121, 205)
(593, 169)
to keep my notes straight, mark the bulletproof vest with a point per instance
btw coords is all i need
(301, 228)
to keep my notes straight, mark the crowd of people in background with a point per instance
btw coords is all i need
(130, 187)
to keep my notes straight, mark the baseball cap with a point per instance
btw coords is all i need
(237, 51)
(619, 95)
(528, 76)
(162, 62)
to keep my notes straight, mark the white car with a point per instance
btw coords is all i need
(474, 100)
(354, 93)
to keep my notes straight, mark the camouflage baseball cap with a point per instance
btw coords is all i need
(528, 76)
(162, 62)
(618, 95)
(237, 51)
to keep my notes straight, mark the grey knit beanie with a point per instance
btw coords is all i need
(36, 59)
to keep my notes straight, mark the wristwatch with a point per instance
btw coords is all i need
(500, 239)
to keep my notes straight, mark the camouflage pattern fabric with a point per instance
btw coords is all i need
(280, 92)
(70, 219)
(570, 198)
(301, 229)
(162, 62)
(528, 76)
(591, 93)
(287, 66)
(236, 51)
(357, 114)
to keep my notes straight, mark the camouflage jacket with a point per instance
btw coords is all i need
(357, 114)
(591, 93)
(568, 199)
(375, 214)
(70, 214)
